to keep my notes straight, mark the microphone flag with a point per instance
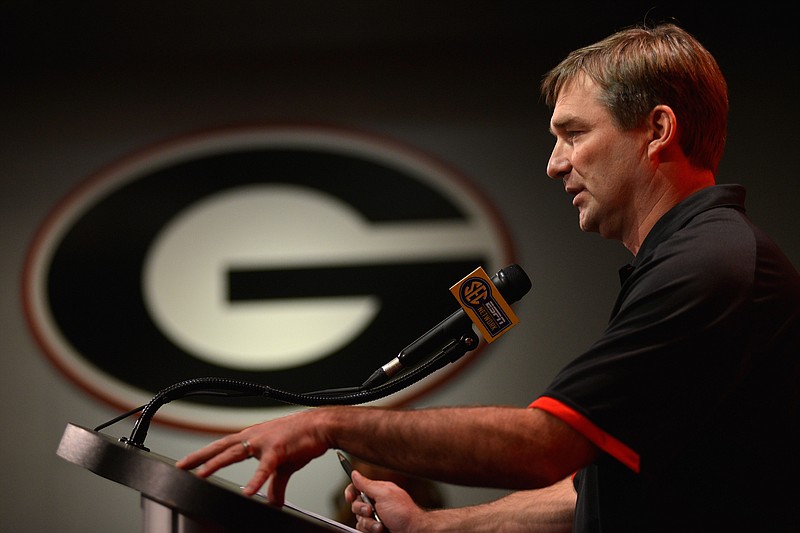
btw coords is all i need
(483, 303)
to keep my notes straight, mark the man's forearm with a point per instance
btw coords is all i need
(547, 510)
(457, 445)
(460, 445)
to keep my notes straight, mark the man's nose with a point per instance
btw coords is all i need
(558, 164)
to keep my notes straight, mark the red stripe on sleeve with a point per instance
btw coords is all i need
(585, 427)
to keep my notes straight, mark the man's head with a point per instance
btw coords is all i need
(639, 120)
(639, 68)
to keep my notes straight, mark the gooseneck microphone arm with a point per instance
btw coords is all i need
(353, 396)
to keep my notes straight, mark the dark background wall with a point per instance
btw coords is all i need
(87, 83)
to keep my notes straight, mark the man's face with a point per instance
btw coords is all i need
(603, 167)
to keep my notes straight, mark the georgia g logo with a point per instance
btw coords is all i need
(298, 257)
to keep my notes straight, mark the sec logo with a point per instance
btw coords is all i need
(298, 257)
(475, 292)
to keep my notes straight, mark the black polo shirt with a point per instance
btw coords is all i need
(693, 390)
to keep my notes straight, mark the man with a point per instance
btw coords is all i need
(684, 415)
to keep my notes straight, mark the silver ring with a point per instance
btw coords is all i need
(247, 448)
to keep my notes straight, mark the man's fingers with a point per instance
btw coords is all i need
(232, 454)
(277, 487)
(368, 525)
(350, 493)
(217, 455)
(361, 482)
(260, 477)
(200, 456)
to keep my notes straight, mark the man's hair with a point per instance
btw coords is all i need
(639, 68)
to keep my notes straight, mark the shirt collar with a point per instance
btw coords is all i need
(680, 215)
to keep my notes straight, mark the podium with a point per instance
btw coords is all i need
(178, 501)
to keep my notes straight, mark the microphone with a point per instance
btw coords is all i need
(512, 282)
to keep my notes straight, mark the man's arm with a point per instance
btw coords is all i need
(488, 446)
(547, 510)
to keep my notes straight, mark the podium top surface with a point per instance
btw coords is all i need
(213, 499)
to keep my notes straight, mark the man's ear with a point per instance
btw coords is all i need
(663, 129)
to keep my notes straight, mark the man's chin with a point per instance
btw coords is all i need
(587, 224)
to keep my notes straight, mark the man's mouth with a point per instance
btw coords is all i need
(577, 194)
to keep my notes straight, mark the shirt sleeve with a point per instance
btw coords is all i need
(584, 426)
(673, 347)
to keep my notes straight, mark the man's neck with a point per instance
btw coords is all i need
(668, 198)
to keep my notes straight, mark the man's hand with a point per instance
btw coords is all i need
(396, 509)
(282, 446)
